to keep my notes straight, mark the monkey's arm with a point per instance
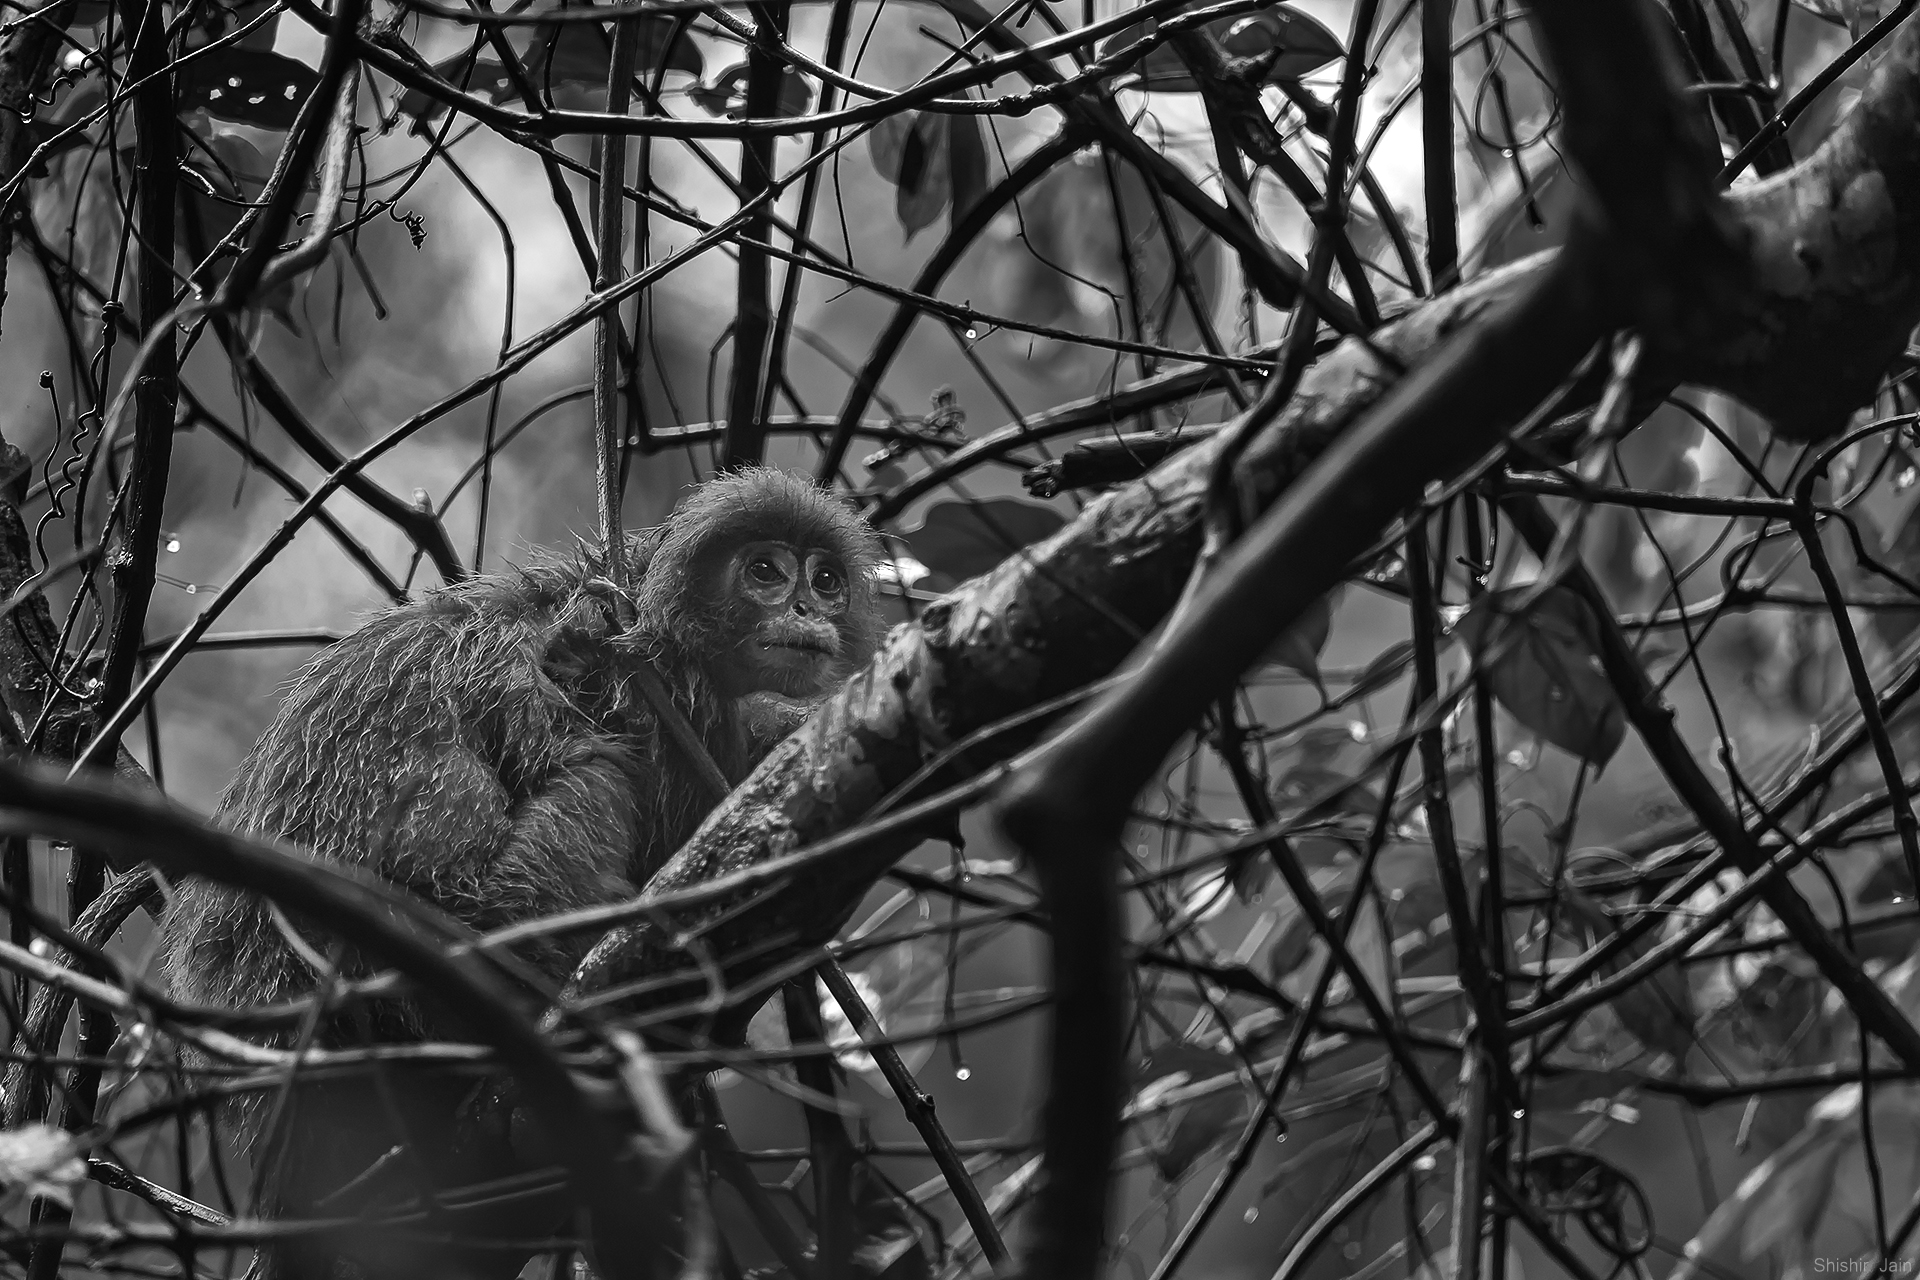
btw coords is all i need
(493, 857)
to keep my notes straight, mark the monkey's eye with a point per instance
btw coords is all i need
(827, 581)
(765, 571)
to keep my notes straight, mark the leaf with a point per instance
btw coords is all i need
(1855, 15)
(766, 1034)
(1294, 936)
(85, 96)
(1305, 46)
(1782, 1203)
(966, 539)
(905, 987)
(1902, 555)
(40, 1160)
(1195, 1126)
(1543, 668)
(966, 161)
(925, 177)
(887, 1243)
(727, 95)
(1367, 944)
(1298, 647)
(1388, 667)
(246, 86)
(1330, 790)
(487, 79)
(579, 54)
(1658, 1011)
(887, 141)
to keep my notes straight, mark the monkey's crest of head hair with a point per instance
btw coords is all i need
(676, 562)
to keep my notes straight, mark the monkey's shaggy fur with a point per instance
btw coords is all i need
(488, 749)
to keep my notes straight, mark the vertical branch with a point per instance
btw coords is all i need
(746, 439)
(836, 48)
(827, 1136)
(1468, 1189)
(131, 570)
(1436, 135)
(606, 327)
(918, 1105)
(1806, 525)
(26, 52)
(156, 389)
(1497, 1121)
(1470, 1166)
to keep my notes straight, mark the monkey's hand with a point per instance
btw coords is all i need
(766, 718)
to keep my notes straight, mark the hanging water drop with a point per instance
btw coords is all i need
(193, 588)
(1905, 479)
(963, 1074)
(1251, 1216)
(173, 545)
(973, 334)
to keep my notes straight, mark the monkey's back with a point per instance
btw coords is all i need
(423, 747)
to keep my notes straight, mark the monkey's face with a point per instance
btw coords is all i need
(787, 604)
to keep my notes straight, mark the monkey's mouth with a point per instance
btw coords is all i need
(795, 646)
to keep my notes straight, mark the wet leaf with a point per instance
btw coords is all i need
(1855, 15)
(486, 79)
(962, 540)
(1658, 1011)
(1194, 1126)
(887, 1242)
(1800, 1190)
(887, 142)
(766, 1034)
(39, 1160)
(966, 161)
(246, 86)
(905, 987)
(1330, 790)
(72, 104)
(1367, 943)
(1298, 647)
(727, 95)
(924, 181)
(1294, 936)
(578, 54)
(1543, 667)
(1305, 46)
(1902, 555)
(1382, 671)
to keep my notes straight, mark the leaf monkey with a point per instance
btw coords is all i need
(491, 749)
